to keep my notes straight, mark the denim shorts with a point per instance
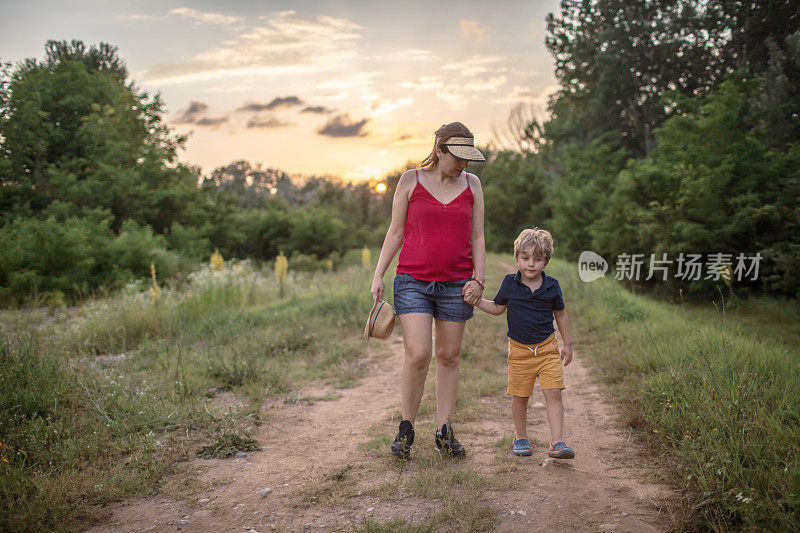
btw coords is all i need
(442, 300)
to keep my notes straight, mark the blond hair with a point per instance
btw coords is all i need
(442, 135)
(538, 241)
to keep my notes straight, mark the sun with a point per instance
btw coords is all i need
(380, 188)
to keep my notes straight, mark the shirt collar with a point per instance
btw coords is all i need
(518, 277)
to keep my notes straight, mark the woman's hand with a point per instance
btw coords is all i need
(472, 292)
(377, 289)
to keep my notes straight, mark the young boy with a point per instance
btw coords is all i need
(533, 298)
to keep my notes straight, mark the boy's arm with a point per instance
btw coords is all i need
(488, 306)
(562, 321)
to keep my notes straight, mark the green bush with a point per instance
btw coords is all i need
(189, 240)
(306, 262)
(51, 255)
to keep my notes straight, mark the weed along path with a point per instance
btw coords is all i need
(324, 465)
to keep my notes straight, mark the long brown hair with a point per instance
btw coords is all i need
(443, 134)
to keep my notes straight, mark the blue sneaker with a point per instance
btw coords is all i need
(560, 450)
(521, 447)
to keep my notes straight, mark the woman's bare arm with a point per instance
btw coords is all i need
(394, 235)
(472, 291)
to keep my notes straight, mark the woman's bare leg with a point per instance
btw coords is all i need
(418, 345)
(448, 354)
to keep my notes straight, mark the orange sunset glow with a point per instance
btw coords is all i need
(349, 89)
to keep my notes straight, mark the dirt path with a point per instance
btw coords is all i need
(602, 489)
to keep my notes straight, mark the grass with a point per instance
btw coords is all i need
(227, 442)
(123, 389)
(102, 402)
(714, 389)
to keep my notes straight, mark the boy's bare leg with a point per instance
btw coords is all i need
(555, 413)
(519, 412)
(448, 354)
(418, 348)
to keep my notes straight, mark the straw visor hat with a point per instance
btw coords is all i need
(380, 322)
(464, 148)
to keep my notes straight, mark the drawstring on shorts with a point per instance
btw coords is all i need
(435, 286)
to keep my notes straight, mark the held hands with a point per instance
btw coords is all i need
(566, 354)
(472, 292)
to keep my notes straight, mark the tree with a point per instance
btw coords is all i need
(89, 181)
(515, 197)
(712, 186)
(72, 129)
(615, 59)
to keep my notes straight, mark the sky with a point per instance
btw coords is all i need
(344, 88)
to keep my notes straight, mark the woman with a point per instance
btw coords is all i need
(437, 216)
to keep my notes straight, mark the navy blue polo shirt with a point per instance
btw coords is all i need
(529, 314)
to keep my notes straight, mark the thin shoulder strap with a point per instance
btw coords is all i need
(416, 171)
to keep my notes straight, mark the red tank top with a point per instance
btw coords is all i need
(436, 239)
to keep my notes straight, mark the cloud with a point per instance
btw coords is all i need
(408, 139)
(192, 114)
(204, 18)
(342, 126)
(287, 101)
(474, 65)
(266, 122)
(356, 80)
(524, 94)
(209, 121)
(490, 84)
(425, 82)
(453, 96)
(318, 109)
(341, 95)
(238, 88)
(415, 54)
(285, 43)
(471, 28)
(133, 18)
(387, 106)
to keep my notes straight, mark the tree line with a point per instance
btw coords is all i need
(93, 193)
(676, 130)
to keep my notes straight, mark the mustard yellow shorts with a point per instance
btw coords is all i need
(526, 362)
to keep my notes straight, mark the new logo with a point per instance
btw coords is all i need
(591, 266)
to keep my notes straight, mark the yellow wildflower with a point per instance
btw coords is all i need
(281, 267)
(217, 261)
(155, 290)
(366, 259)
